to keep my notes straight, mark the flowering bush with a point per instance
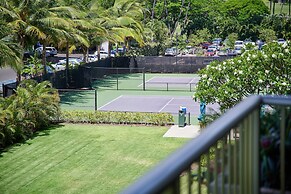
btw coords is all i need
(266, 71)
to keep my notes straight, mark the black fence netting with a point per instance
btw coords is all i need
(177, 64)
(121, 68)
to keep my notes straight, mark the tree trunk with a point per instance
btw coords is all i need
(167, 15)
(85, 51)
(43, 54)
(274, 3)
(98, 52)
(270, 6)
(177, 21)
(109, 49)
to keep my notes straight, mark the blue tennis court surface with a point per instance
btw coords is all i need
(169, 104)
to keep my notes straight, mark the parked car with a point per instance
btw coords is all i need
(239, 43)
(281, 41)
(49, 51)
(231, 53)
(28, 54)
(214, 46)
(205, 45)
(170, 52)
(61, 65)
(238, 50)
(222, 53)
(103, 54)
(92, 58)
(217, 41)
(210, 52)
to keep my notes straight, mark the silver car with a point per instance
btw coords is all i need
(49, 51)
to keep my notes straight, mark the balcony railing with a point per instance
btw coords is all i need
(245, 151)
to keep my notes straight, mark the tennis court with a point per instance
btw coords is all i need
(124, 92)
(169, 104)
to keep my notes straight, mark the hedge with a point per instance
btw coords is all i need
(101, 117)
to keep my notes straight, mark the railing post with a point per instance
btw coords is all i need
(256, 152)
(282, 150)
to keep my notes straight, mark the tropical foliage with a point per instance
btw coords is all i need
(149, 26)
(255, 72)
(31, 108)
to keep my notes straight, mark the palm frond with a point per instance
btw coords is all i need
(68, 11)
(36, 32)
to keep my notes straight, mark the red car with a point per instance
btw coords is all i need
(210, 52)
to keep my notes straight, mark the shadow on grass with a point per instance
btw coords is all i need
(108, 82)
(44, 132)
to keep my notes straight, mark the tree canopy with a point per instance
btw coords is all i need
(255, 72)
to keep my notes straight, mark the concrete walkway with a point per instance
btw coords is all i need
(189, 131)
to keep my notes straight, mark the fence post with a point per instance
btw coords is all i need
(189, 118)
(117, 78)
(3, 90)
(143, 79)
(96, 105)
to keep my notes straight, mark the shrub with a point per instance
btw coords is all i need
(31, 108)
(100, 117)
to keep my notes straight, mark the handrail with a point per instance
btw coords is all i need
(170, 168)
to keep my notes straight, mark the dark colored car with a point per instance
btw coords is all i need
(205, 45)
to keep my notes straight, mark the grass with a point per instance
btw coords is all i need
(279, 7)
(83, 159)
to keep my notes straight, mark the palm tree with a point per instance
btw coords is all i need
(35, 20)
(10, 52)
(123, 21)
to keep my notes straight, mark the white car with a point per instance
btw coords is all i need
(170, 52)
(238, 43)
(61, 65)
(238, 50)
(103, 54)
(49, 51)
(281, 41)
(92, 58)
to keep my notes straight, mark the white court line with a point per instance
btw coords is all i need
(166, 104)
(146, 81)
(191, 82)
(110, 102)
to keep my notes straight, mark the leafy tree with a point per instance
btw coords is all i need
(267, 35)
(231, 38)
(155, 37)
(200, 36)
(254, 72)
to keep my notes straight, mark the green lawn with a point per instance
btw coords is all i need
(279, 7)
(83, 159)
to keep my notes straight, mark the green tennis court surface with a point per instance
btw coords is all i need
(147, 81)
